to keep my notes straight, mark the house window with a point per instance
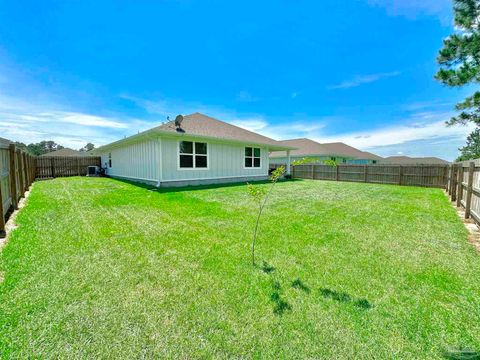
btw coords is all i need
(333, 158)
(192, 155)
(109, 160)
(252, 157)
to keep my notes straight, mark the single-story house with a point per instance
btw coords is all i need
(319, 153)
(407, 160)
(195, 150)
(65, 152)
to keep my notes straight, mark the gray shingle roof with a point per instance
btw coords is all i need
(304, 147)
(65, 152)
(307, 147)
(407, 160)
(203, 126)
(339, 148)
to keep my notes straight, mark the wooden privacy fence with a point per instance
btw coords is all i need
(17, 173)
(464, 187)
(412, 175)
(61, 166)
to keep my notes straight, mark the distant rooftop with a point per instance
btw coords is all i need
(407, 160)
(307, 147)
(65, 152)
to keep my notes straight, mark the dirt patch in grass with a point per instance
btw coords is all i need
(11, 224)
(472, 227)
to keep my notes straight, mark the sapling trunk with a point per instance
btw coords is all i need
(260, 210)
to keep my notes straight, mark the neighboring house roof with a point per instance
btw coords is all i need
(372, 156)
(304, 147)
(206, 127)
(64, 152)
(307, 147)
(5, 142)
(340, 148)
(400, 160)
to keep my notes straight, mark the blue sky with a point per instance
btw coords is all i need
(358, 71)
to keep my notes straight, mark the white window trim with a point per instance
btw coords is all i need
(193, 154)
(252, 157)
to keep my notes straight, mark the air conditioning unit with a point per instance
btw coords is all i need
(93, 171)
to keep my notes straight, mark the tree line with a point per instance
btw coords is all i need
(47, 146)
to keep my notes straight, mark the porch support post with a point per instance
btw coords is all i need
(288, 162)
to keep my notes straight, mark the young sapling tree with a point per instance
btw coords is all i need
(261, 195)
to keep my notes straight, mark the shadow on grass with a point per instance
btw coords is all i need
(298, 284)
(461, 354)
(279, 304)
(343, 297)
(267, 268)
(195, 187)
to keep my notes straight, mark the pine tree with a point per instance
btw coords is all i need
(472, 149)
(459, 59)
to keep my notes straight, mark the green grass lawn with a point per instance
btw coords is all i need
(103, 268)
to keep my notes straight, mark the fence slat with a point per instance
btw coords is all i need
(459, 186)
(20, 173)
(454, 182)
(413, 175)
(48, 167)
(2, 216)
(13, 176)
(468, 200)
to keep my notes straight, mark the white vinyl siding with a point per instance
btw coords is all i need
(224, 160)
(158, 160)
(140, 161)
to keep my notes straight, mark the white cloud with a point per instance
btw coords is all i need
(31, 123)
(363, 79)
(412, 9)
(90, 120)
(425, 125)
(245, 96)
(27, 122)
(400, 134)
(255, 125)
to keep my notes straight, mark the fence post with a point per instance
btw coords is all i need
(78, 166)
(25, 171)
(52, 166)
(400, 175)
(13, 176)
(337, 175)
(2, 217)
(449, 169)
(34, 168)
(365, 173)
(30, 166)
(20, 173)
(468, 200)
(445, 177)
(460, 185)
(454, 182)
